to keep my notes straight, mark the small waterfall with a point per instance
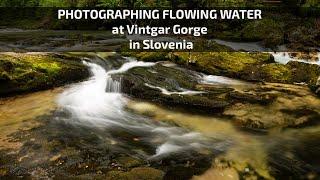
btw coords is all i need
(98, 100)
(98, 103)
(113, 85)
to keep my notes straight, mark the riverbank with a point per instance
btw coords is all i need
(29, 72)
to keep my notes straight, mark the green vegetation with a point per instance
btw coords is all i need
(268, 30)
(279, 26)
(221, 63)
(28, 72)
(82, 3)
(148, 3)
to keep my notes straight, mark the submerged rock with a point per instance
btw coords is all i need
(259, 98)
(23, 72)
(274, 105)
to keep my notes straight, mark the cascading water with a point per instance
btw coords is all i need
(98, 103)
(113, 85)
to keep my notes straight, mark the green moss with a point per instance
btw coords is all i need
(22, 72)
(276, 73)
(4, 77)
(152, 56)
(147, 56)
(221, 63)
(129, 162)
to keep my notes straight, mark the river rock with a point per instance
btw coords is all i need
(257, 97)
(22, 72)
(291, 73)
(275, 105)
(145, 83)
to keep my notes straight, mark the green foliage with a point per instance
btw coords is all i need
(268, 30)
(312, 3)
(211, 3)
(148, 3)
(19, 3)
(109, 3)
(84, 3)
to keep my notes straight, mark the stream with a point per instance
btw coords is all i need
(282, 56)
(90, 104)
(91, 127)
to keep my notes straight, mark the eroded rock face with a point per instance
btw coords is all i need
(23, 72)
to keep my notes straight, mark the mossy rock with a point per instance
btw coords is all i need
(303, 72)
(221, 63)
(301, 38)
(6, 66)
(163, 76)
(152, 56)
(268, 72)
(4, 77)
(241, 65)
(137, 81)
(129, 162)
(293, 72)
(23, 72)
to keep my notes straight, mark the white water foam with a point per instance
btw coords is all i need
(89, 99)
(284, 58)
(182, 92)
(217, 80)
(98, 98)
(125, 67)
(89, 104)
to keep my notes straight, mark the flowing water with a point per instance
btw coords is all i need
(91, 105)
(99, 103)
(96, 109)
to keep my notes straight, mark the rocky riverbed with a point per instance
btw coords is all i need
(164, 119)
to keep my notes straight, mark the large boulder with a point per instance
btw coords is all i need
(166, 86)
(23, 72)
